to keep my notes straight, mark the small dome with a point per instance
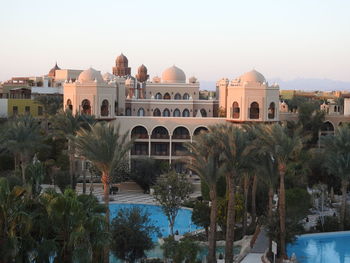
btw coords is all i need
(173, 75)
(121, 59)
(142, 68)
(90, 75)
(156, 79)
(252, 76)
(192, 79)
(52, 72)
(108, 76)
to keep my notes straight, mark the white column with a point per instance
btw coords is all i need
(170, 148)
(149, 145)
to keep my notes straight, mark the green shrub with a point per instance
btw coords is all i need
(330, 224)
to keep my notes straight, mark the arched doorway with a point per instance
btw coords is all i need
(166, 96)
(69, 105)
(176, 113)
(186, 96)
(177, 96)
(141, 112)
(271, 111)
(158, 96)
(186, 113)
(86, 107)
(235, 110)
(200, 130)
(166, 113)
(327, 128)
(105, 108)
(254, 111)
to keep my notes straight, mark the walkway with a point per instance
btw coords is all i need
(259, 248)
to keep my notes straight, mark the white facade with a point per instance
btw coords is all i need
(3, 108)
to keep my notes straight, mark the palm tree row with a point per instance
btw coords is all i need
(263, 151)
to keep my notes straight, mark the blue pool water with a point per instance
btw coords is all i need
(183, 222)
(331, 247)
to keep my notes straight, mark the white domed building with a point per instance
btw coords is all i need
(90, 94)
(249, 98)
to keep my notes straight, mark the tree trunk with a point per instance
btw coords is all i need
(254, 187)
(212, 231)
(23, 169)
(245, 212)
(282, 212)
(84, 180)
(71, 151)
(344, 187)
(106, 180)
(269, 215)
(230, 232)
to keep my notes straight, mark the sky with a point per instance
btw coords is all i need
(283, 39)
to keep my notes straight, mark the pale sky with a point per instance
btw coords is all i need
(210, 39)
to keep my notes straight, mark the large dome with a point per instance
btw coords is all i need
(173, 75)
(252, 76)
(90, 75)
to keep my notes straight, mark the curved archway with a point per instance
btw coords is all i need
(327, 128)
(271, 111)
(177, 96)
(69, 105)
(141, 112)
(186, 113)
(139, 132)
(200, 129)
(166, 96)
(156, 112)
(186, 96)
(181, 132)
(160, 132)
(86, 107)
(254, 111)
(166, 113)
(235, 110)
(105, 108)
(158, 96)
(127, 112)
(204, 113)
(177, 113)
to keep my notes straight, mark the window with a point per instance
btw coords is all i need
(235, 110)
(156, 112)
(15, 110)
(141, 112)
(27, 109)
(186, 113)
(128, 112)
(167, 96)
(203, 113)
(158, 96)
(186, 96)
(177, 96)
(105, 108)
(254, 111)
(177, 113)
(40, 110)
(271, 111)
(69, 105)
(86, 107)
(166, 113)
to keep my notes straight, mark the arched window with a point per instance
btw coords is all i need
(177, 96)
(200, 130)
(166, 113)
(139, 132)
(203, 113)
(166, 96)
(158, 96)
(86, 107)
(254, 111)
(127, 112)
(271, 111)
(181, 133)
(105, 108)
(177, 113)
(186, 113)
(327, 128)
(160, 133)
(156, 112)
(235, 110)
(141, 112)
(186, 96)
(69, 105)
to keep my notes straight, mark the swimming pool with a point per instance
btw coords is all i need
(333, 247)
(183, 222)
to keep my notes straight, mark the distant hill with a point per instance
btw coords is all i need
(296, 84)
(312, 84)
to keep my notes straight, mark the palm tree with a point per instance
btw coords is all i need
(274, 139)
(22, 139)
(66, 125)
(337, 162)
(205, 162)
(232, 143)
